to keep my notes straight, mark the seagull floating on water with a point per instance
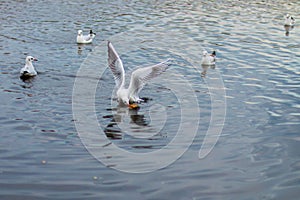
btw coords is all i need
(85, 39)
(130, 96)
(28, 70)
(289, 20)
(208, 59)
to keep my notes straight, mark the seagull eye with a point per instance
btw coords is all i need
(31, 58)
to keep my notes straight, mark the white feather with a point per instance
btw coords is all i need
(85, 39)
(28, 69)
(139, 77)
(289, 20)
(208, 59)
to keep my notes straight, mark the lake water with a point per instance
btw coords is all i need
(44, 156)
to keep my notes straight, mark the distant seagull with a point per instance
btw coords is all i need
(85, 39)
(208, 59)
(28, 70)
(289, 20)
(130, 96)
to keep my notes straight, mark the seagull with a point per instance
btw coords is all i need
(130, 96)
(85, 39)
(289, 20)
(208, 59)
(28, 70)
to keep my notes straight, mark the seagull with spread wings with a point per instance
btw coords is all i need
(130, 96)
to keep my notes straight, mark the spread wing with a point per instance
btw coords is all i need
(142, 75)
(116, 66)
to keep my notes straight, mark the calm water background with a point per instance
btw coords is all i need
(257, 155)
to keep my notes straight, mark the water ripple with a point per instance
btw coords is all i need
(257, 156)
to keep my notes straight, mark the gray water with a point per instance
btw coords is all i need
(257, 154)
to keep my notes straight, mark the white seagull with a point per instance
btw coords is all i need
(28, 70)
(208, 59)
(85, 39)
(289, 20)
(130, 96)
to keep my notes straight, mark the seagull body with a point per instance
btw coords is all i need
(289, 20)
(208, 59)
(85, 39)
(139, 77)
(28, 69)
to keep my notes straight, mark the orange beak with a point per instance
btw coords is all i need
(133, 106)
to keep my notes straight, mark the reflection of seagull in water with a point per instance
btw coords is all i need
(113, 131)
(205, 68)
(130, 96)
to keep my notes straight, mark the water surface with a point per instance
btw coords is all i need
(257, 155)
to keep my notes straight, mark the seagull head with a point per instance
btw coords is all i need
(204, 53)
(30, 59)
(125, 101)
(287, 16)
(79, 32)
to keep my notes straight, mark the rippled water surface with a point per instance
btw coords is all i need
(257, 155)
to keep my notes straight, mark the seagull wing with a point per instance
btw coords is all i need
(116, 66)
(88, 37)
(142, 75)
(24, 69)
